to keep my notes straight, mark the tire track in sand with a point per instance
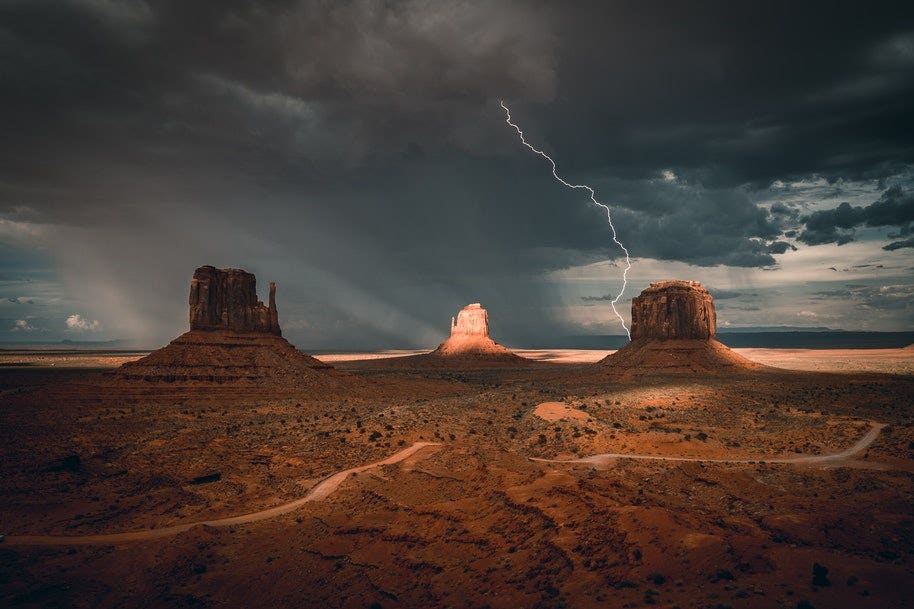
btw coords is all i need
(830, 459)
(320, 491)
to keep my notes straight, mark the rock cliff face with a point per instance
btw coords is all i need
(470, 340)
(674, 309)
(226, 299)
(673, 333)
(234, 342)
(472, 320)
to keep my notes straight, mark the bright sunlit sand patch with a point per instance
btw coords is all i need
(556, 411)
(888, 361)
(363, 355)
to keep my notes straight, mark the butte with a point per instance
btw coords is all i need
(234, 342)
(469, 346)
(674, 328)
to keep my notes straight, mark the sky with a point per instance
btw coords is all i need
(356, 154)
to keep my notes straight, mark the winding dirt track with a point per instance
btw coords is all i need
(830, 459)
(327, 486)
(320, 491)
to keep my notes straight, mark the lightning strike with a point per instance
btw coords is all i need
(593, 198)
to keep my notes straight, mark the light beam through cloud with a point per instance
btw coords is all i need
(593, 198)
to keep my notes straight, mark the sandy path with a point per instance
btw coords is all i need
(830, 459)
(321, 490)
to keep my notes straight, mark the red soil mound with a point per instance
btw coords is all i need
(645, 356)
(225, 357)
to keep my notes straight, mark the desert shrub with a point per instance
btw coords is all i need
(657, 578)
(820, 575)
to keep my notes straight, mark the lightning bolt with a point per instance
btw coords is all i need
(593, 199)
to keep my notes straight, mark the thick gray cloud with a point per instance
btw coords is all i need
(355, 150)
(894, 245)
(894, 208)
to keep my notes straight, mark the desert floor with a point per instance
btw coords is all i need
(549, 486)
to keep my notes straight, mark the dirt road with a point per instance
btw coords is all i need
(829, 459)
(320, 491)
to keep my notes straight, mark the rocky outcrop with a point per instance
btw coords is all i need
(470, 335)
(674, 309)
(226, 299)
(468, 347)
(472, 320)
(234, 341)
(673, 332)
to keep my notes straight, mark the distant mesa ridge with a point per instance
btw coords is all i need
(674, 328)
(226, 299)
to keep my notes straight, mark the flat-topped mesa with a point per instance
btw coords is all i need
(674, 310)
(673, 332)
(226, 299)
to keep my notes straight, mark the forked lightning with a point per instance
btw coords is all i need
(593, 198)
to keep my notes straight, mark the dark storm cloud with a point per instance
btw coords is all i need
(356, 150)
(894, 208)
(720, 294)
(899, 244)
(727, 93)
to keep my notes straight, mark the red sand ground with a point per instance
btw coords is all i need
(475, 522)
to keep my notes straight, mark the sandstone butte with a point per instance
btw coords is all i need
(234, 340)
(674, 328)
(469, 344)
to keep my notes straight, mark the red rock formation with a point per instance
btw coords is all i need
(674, 309)
(470, 335)
(673, 332)
(226, 299)
(472, 320)
(234, 340)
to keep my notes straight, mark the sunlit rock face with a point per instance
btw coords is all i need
(470, 334)
(673, 333)
(472, 320)
(226, 299)
(674, 310)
